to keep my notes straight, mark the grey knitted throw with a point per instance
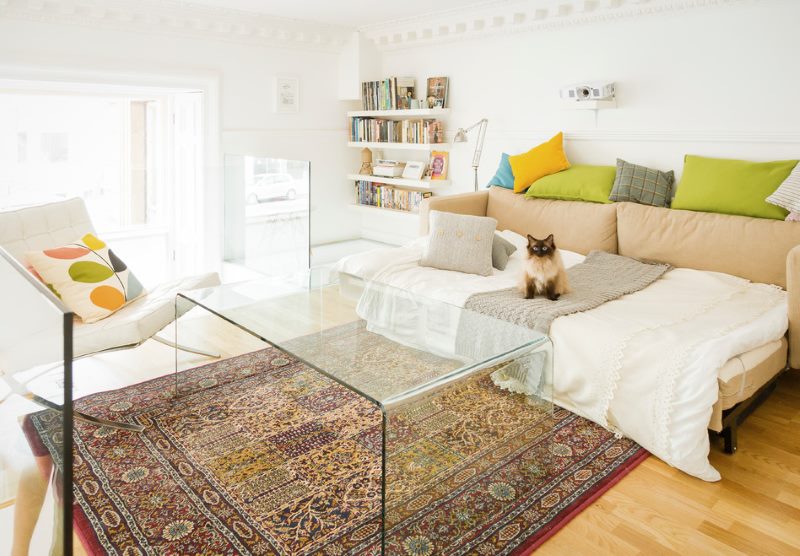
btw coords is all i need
(601, 277)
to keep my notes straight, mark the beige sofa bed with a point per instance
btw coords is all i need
(759, 250)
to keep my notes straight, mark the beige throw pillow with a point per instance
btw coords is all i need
(460, 242)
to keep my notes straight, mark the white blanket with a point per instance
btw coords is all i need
(644, 365)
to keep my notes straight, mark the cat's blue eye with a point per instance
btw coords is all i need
(544, 248)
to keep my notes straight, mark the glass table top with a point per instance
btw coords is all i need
(385, 343)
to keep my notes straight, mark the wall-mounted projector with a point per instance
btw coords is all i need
(588, 91)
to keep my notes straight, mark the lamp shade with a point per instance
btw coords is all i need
(461, 136)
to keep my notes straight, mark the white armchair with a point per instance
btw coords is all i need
(55, 224)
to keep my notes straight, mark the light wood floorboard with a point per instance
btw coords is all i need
(752, 510)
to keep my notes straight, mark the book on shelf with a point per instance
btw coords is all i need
(393, 93)
(368, 129)
(437, 92)
(388, 197)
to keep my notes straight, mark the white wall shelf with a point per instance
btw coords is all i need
(400, 114)
(589, 104)
(403, 146)
(423, 184)
(375, 210)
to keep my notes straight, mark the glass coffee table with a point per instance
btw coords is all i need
(429, 368)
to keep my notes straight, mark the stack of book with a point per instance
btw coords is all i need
(396, 131)
(394, 93)
(388, 197)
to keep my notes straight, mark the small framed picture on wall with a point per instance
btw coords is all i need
(287, 94)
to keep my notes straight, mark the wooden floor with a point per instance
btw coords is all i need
(755, 509)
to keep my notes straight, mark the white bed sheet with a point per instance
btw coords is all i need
(644, 365)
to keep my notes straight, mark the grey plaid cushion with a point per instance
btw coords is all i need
(642, 185)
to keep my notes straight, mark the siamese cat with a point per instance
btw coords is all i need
(544, 270)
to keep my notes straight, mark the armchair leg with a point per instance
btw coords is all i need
(18, 388)
(188, 349)
(89, 418)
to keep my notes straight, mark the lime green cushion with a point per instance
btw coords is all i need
(578, 183)
(731, 186)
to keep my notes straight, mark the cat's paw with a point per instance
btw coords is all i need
(554, 297)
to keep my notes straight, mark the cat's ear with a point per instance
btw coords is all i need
(531, 239)
(549, 238)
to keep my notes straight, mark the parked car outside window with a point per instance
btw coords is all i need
(271, 187)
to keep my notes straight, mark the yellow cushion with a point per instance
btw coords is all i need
(548, 158)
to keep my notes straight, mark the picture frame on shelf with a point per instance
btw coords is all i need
(287, 94)
(438, 167)
(414, 170)
(436, 93)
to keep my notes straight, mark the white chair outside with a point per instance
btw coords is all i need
(55, 224)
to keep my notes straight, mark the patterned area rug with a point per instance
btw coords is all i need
(262, 455)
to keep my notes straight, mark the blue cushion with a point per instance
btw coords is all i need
(504, 177)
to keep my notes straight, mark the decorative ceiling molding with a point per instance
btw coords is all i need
(676, 136)
(501, 17)
(184, 19)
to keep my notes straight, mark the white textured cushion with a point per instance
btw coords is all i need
(43, 226)
(139, 320)
(460, 242)
(788, 193)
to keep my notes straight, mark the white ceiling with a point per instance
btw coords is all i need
(351, 13)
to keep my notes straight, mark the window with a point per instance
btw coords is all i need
(124, 155)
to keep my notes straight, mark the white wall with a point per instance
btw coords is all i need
(720, 81)
(243, 76)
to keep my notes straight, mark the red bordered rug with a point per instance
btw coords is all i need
(262, 455)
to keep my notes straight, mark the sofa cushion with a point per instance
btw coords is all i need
(788, 194)
(581, 182)
(504, 177)
(460, 242)
(639, 184)
(542, 160)
(501, 251)
(577, 226)
(752, 248)
(731, 186)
